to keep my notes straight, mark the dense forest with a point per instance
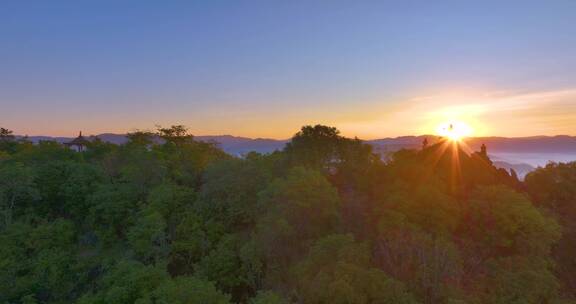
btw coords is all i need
(167, 219)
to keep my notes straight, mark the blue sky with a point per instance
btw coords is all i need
(265, 68)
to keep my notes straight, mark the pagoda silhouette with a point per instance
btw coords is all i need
(78, 144)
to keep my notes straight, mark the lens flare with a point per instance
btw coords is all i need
(454, 130)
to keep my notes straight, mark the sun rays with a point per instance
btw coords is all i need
(450, 147)
(454, 130)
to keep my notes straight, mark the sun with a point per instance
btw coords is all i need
(454, 130)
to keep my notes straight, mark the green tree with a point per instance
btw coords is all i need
(430, 266)
(516, 280)
(301, 207)
(6, 135)
(165, 218)
(148, 237)
(506, 242)
(315, 146)
(186, 290)
(126, 282)
(267, 297)
(337, 269)
(176, 134)
(140, 138)
(140, 168)
(192, 239)
(322, 148)
(112, 209)
(81, 182)
(44, 152)
(306, 201)
(38, 262)
(171, 201)
(230, 191)
(226, 265)
(184, 158)
(425, 206)
(16, 189)
(503, 222)
(7, 140)
(554, 189)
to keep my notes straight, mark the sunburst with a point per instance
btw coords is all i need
(454, 130)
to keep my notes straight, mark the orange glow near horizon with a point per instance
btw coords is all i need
(454, 130)
(484, 112)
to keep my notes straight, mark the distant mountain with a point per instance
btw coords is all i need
(523, 154)
(521, 169)
(36, 139)
(387, 145)
(240, 145)
(118, 139)
(535, 144)
(231, 144)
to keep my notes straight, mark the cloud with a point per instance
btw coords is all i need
(499, 113)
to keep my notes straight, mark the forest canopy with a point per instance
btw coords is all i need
(165, 219)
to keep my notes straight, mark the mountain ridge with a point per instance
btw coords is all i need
(516, 153)
(239, 144)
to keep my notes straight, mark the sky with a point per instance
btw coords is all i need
(265, 68)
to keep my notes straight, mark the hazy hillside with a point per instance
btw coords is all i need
(231, 144)
(521, 169)
(521, 153)
(534, 144)
(236, 144)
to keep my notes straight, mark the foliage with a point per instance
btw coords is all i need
(552, 188)
(338, 270)
(186, 290)
(165, 218)
(267, 297)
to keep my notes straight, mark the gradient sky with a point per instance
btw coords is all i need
(265, 68)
